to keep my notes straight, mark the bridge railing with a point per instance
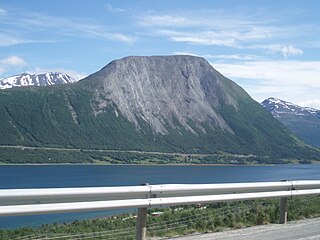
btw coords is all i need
(15, 202)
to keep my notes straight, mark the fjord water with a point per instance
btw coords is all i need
(49, 176)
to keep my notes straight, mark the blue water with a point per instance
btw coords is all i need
(89, 175)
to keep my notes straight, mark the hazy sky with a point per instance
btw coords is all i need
(270, 48)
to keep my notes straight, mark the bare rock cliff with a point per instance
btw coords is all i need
(163, 91)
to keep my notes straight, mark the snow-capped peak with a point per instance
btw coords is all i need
(279, 107)
(276, 102)
(44, 79)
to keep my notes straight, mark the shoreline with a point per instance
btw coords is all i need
(146, 165)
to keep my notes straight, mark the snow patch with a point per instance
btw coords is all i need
(26, 79)
(279, 107)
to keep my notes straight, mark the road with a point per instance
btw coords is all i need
(112, 151)
(124, 151)
(306, 229)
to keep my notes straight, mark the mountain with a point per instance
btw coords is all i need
(155, 104)
(175, 91)
(303, 121)
(44, 79)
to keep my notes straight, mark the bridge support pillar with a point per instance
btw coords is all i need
(283, 210)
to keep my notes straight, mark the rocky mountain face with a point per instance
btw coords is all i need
(303, 121)
(26, 79)
(164, 90)
(162, 103)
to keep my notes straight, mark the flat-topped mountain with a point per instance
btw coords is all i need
(177, 91)
(161, 103)
(44, 79)
(304, 121)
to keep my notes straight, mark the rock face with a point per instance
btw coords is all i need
(303, 121)
(26, 79)
(164, 90)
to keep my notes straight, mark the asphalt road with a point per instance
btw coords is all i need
(306, 229)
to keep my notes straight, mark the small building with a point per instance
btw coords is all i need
(156, 214)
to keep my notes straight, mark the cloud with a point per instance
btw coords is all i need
(2, 12)
(99, 32)
(239, 30)
(112, 9)
(9, 41)
(92, 30)
(285, 72)
(6, 41)
(167, 21)
(186, 53)
(75, 27)
(285, 50)
(199, 38)
(294, 81)
(220, 29)
(291, 51)
(13, 61)
(204, 19)
(235, 39)
(314, 103)
(241, 57)
(66, 27)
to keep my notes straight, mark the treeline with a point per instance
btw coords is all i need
(176, 221)
(21, 155)
(38, 156)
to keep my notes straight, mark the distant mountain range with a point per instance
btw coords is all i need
(173, 104)
(303, 121)
(26, 79)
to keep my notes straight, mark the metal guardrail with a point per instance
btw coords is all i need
(57, 200)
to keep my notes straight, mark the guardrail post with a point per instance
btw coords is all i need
(141, 225)
(283, 210)
(283, 207)
(141, 228)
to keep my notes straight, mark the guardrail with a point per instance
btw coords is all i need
(15, 202)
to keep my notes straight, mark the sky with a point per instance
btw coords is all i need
(270, 48)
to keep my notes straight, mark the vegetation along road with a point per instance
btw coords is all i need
(44, 154)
